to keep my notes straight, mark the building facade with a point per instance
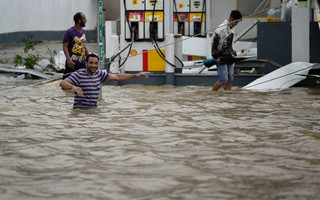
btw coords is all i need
(43, 20)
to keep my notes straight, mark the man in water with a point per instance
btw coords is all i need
(222, 47)
(86, 82)
(74, 45)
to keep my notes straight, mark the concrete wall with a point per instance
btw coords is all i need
(53, 17)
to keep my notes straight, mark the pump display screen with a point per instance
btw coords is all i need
(135, 16)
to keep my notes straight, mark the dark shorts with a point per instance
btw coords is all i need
(68, 71)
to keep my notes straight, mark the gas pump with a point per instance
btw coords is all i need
(197, 24)
(154, 20)
(189, 17)
(154, 25)
(197, 17)
(181, 17)
(140, 16)
(144, 24)
(134, 11)
(143, 27)
(135, 25)
(181, 23)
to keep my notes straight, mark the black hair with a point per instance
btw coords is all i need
(92, 55)
(77, 16)
(236, 15)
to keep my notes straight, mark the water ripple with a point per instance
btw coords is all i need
(160, 142)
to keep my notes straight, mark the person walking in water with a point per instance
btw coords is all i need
(86, 82)
(222, 47)
(74, 45)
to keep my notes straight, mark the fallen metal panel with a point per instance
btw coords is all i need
(10, 69)
(281, 78)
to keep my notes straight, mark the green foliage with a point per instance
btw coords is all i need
(17, 60)
(30, 59)
(30, 44)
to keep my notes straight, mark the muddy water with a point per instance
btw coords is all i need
(159, 142)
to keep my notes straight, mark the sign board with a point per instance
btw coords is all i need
(100, 33)
(302, 4)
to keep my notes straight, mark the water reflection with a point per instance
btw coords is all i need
(160, 142)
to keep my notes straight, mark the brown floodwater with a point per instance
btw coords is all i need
(159, 142)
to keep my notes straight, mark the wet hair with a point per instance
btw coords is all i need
(236, 15)
(77, 16)
(91, 55)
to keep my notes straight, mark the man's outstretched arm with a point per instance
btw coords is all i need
(66, 85)
(125, 77)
